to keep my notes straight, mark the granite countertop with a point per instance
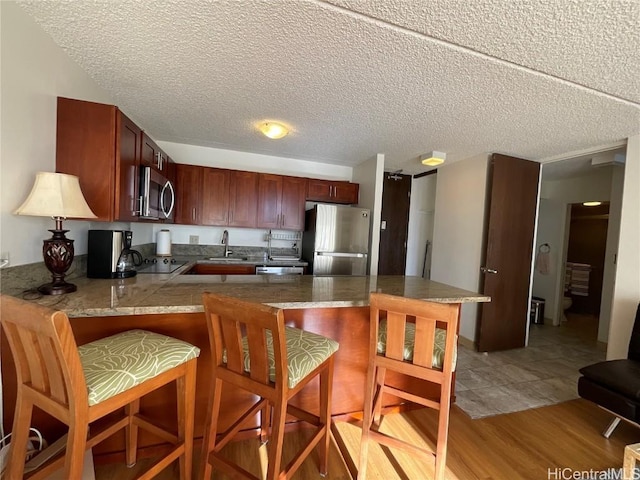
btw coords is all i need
(176, 293)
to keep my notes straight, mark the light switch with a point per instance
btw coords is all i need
(383, 225)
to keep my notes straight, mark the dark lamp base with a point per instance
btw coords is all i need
(57, 288)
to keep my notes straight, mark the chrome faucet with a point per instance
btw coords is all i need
(225, 242)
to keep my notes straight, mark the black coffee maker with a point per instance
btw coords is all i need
(110, 254)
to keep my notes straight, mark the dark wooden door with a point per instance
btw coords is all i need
(215, 196)
(513, 184)
(243, 199)
(127, 201)
(396, 196)
(188, 192)
(587, 245)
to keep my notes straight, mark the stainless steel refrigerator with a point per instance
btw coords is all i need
(336, 240)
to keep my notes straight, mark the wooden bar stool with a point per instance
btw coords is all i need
(78, 385)
(417, 339)
(253, 350)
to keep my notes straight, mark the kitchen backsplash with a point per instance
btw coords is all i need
(23, 278)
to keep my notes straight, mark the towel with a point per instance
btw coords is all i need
(579, 278)
(543, 263)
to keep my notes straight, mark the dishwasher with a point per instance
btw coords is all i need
(279, 270)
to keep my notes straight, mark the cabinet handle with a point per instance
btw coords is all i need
(282, 223)
(231, 216)
(193, 214)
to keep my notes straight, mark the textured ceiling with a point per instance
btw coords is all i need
(533, 79)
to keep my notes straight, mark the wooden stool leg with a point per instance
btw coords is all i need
(131, 433)
(186, 388)
(631, 456)
(443, 433)
(210, 429)
(265, 423)
(277, 438)
(20, 435)
(370, 387)
(326, 383)
(76, 446)
(377, 394)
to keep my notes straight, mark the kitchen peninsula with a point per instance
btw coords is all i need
(336, 307)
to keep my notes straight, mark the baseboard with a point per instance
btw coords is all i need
(465, 342)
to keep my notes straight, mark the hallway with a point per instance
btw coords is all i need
(544, 373)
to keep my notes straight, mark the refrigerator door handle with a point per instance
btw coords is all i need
(340, 254)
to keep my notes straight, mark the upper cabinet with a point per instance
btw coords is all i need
(243, 199)
(281, 202)
(215, 196)
(152, 156)
(101, 146)
(329, 191)
(188, 209)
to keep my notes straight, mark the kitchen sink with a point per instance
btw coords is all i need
(226, 259)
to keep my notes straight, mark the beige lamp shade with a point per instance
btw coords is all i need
(56, 195)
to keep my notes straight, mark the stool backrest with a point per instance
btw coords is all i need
(44, 352)
(229, 320)
(398, 311)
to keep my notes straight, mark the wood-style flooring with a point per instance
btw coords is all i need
(531, 444)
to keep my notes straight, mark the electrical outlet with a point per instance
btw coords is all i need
(194, 239)
(4, 259)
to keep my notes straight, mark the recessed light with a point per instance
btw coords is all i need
(273, 130)
(591, 204)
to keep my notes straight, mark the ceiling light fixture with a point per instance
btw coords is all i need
(273, 130)
(591, 204)
(433, 159)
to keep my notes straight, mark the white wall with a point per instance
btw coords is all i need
(550, 230)
(459, 231)
(235, 160)
(370, 176)
(626, 293)
(34, 72)
(421, 217)
(611, 253)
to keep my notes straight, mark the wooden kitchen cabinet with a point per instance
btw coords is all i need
(101, 146)
(215, 196)
(281, 202)
(243, 199)
(332, 191)
(188, 194)
(151, 155)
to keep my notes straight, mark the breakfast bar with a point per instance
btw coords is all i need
(336, 307)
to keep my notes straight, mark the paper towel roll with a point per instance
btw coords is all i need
(163, 243)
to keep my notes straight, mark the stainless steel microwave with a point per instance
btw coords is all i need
(157, 195)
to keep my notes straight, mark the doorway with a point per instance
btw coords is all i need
(586, 252)
(396, 196)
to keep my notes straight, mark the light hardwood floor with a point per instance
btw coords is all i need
(522, 445)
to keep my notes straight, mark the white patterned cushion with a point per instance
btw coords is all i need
(305, 352)
(117, 363)
(409, 340)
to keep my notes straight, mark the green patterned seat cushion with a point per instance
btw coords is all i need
(305, 352)
(409, 340)
(117, 363)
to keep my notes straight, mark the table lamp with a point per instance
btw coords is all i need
(59, 196)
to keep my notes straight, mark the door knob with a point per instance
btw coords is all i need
(488, 270)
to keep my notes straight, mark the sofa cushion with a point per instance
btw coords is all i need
(622, 376)
(615, 402)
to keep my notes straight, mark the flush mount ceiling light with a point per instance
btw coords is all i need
(433, 159)
(591, 204)
(273, 130)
